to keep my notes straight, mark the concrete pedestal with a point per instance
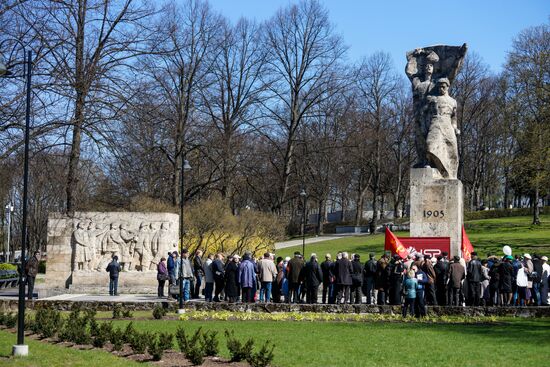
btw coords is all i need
(20, 350)
(436, 207)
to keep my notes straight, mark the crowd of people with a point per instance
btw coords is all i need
(414, 282)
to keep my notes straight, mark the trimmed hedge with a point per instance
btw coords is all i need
(7, 266)
(503, 213)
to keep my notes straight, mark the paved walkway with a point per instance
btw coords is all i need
(141, 298)
(310, 240)
(77, 297)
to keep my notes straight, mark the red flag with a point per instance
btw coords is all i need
(467, 247)
(393, 244)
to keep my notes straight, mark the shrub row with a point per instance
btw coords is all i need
(9, 320)
(502, 213)
(202, 344)
(81, 327)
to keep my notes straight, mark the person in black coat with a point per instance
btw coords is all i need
(356, 280)
(199, 273)
(396, 280)
(494, 283)
(313, 276)
(382, 278)
(506, 274)
(474, 275)
(219, 276)
(343, 270)
(231, 277)
(537, 279)
(294, 267)
(113, 269)
(369, 276)
(327, 267)
(441, 279)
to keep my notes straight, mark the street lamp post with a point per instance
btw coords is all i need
(303, 194)
(184, 167)
(9, 211)
(20, 349)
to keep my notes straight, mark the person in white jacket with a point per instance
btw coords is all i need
(521, 282)
(545, 280)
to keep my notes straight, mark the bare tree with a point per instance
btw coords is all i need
(303, 61)
(376, 83)
(87, 45)
(186, 54)
(233, 98)
(528, 72)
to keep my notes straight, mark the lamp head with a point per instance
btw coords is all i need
(186, 165)
(303, 193)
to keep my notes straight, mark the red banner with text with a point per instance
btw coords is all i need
(433, 246)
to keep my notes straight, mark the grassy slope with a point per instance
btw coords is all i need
(485, 234)
(48, 355)
(385, 344)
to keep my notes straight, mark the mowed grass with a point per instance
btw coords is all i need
(50, 355)
(508, 342)
(384, 344)
(487, 235)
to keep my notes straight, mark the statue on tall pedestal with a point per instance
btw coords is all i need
(434, 109)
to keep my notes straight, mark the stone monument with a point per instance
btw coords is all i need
(80, 246)
(436, 193)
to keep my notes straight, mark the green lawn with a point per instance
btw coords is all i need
(385, 344)
(487, 235)
(505, 343)
(49, 355)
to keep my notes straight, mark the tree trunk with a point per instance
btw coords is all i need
(536, 208)
(359, 211)
(80, 88)
(321, 217)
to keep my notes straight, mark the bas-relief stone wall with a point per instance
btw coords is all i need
(436, 207)
(80, 247)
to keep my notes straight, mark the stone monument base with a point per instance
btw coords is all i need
(436, 207)
(129, 282)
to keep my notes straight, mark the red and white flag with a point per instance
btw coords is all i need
(393, 244)
(467, 247)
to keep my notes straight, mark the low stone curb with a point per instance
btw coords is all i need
(11, 306)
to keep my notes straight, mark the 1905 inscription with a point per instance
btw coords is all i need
(433, 213)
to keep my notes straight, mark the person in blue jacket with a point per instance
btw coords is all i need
(410, 286)
(419, 304)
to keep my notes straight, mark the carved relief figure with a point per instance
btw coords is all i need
(441, 142)
(95, 231)
(126, 247)
(112, 242)
(95, 243)
(423, 66)
(142, 251)
(158, 246)
(83, 251)
(422, 85)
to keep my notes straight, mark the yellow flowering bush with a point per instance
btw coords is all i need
(212, 227)
(327, 317)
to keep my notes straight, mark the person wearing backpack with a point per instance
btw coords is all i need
(369, 277)
(113, 269)
(410, 285)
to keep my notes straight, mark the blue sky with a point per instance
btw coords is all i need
(397, 26)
